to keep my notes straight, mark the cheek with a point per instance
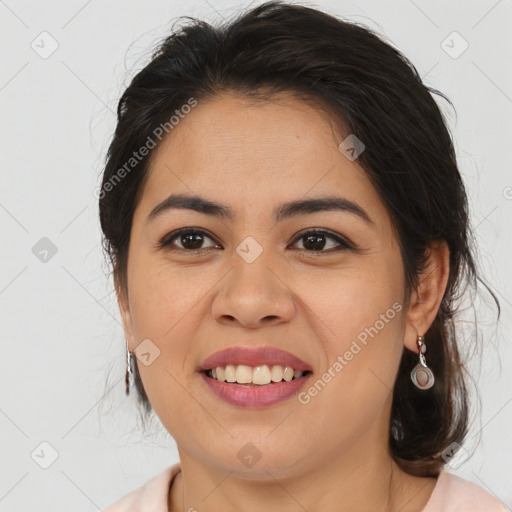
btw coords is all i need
(354, 389)
(166, 308)
(353, 303)
(162, 296)
(359, 318)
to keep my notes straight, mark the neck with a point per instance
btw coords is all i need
(362, 478)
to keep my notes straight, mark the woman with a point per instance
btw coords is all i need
(289, 235)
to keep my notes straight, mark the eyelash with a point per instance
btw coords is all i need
(166, 241)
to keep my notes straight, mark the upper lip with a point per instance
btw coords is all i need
(253, 356)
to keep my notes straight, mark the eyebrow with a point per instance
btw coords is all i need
(280, 213)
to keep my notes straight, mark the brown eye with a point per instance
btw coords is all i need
(316, 241)
(190, 239)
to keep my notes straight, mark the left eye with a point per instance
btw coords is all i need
(315, 241)
(312, 241)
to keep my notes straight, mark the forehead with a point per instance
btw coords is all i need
(245, 153)
(237, 135)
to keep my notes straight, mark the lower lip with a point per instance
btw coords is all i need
(255, 396)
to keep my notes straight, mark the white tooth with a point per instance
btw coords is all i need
(288, 374)
(230, 373)
(243, 374)
(261, 375)
(277, 373)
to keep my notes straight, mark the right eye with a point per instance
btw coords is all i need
(190, 239)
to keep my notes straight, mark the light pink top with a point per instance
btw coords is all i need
(451, 494)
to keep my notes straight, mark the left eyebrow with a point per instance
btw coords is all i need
(280, 213)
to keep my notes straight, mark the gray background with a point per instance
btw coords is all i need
(62, 346)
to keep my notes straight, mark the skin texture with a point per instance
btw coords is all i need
(331, 453)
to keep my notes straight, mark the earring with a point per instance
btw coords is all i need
(129, 374)
(421, 374)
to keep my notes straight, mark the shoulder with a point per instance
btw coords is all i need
(152, 496)
(455, 494)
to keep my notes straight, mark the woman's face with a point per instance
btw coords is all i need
(254, 280)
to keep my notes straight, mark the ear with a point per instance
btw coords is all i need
(426, 299)
(124, 309)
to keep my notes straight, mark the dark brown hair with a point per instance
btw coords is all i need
(374, 92)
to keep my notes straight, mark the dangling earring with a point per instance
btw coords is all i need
(129, 374)
(421, 374)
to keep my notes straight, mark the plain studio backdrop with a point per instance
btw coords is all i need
(70, 438)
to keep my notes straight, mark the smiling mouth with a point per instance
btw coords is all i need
(258, 376)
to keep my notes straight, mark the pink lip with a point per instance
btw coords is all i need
(254, 356)
(255, 396)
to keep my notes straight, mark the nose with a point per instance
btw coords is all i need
(253, 295)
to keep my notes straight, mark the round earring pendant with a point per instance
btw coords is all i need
(422, 377)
